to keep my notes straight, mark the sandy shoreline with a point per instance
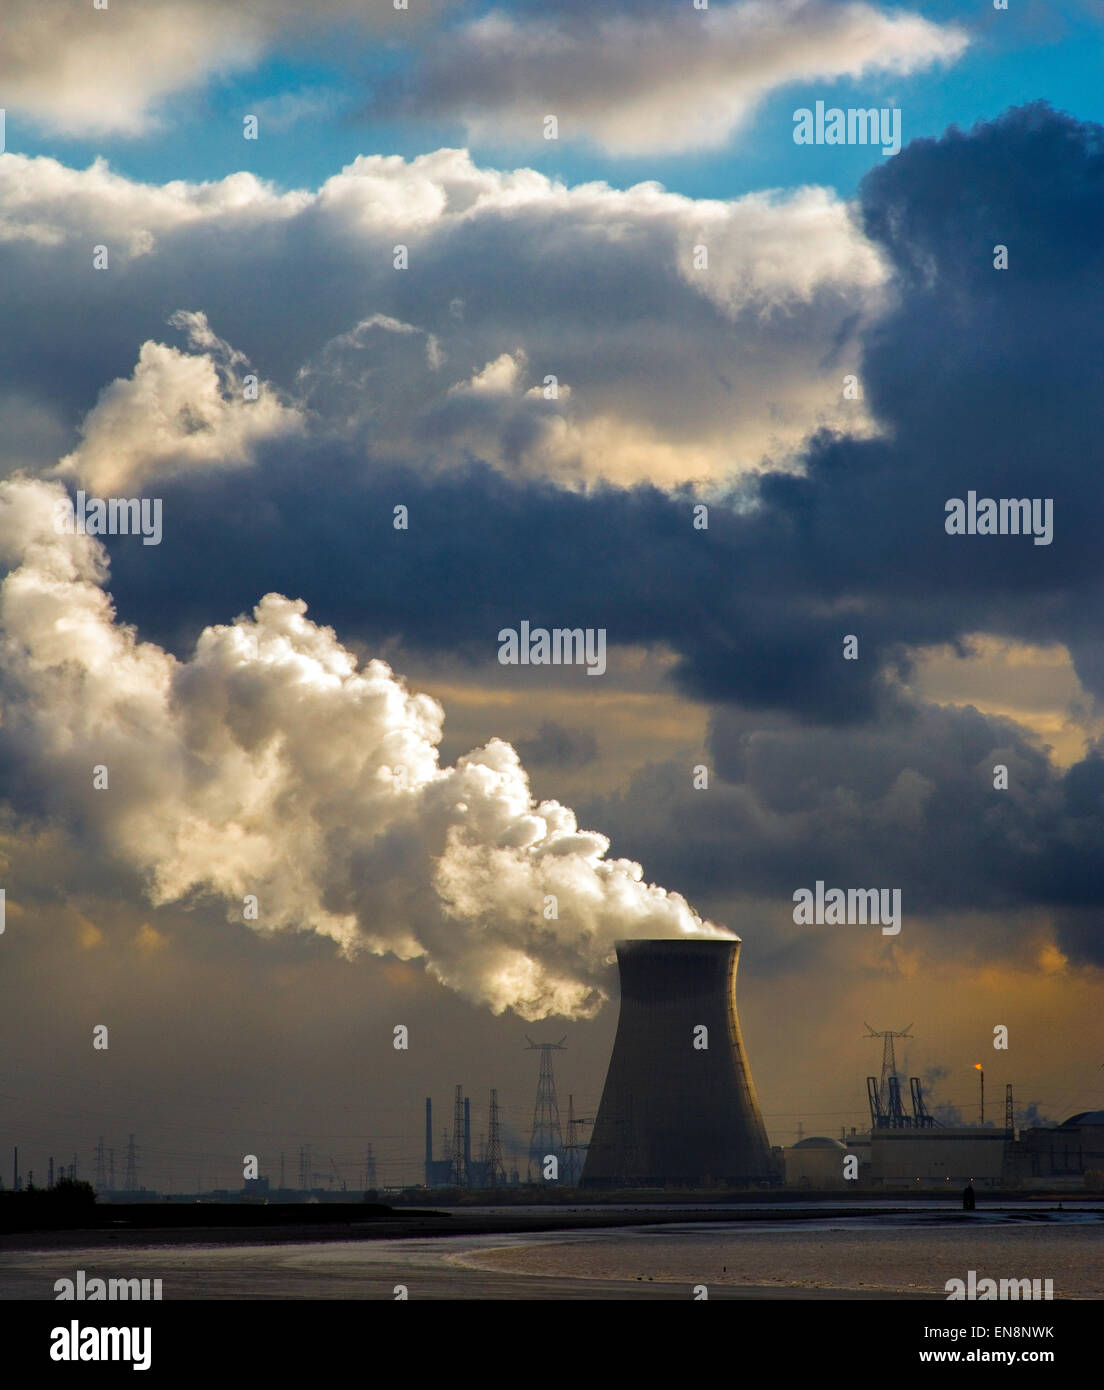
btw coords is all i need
(511, 1260)
(428, 1270)
(862, 1253)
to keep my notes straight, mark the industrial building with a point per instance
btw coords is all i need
(679, 1107)
(816, 1163)
(939, 1157)
(1072, 1154)
(908, 1149)
(903, 1159)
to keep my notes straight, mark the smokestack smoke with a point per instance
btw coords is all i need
(270, 764)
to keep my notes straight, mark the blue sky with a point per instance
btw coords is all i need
(1014, 57)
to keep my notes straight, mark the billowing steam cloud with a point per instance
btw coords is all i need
(269, 764)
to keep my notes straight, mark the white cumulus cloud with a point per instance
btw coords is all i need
(676, 368)
(179, 412)
(660, 80)
(81, 71)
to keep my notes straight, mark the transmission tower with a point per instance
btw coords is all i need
(889, 1060)
(111, 1170)
(546, 1137)
(101, 1174)
(305, 1168)
(457, 1174)
(496, 1170)
(130, 1182)
(369, 1170)
(573, 1147)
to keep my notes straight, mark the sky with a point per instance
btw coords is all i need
(396, 373)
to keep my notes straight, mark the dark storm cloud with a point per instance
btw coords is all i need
(982, 378)
(907, 800)
(481, 553)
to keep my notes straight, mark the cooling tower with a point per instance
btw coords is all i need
(672, 1112)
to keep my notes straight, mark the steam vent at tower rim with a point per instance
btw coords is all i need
(672, 1113)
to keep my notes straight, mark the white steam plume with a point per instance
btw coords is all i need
(269, 764)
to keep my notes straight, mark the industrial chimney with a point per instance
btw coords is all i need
(679, 1106)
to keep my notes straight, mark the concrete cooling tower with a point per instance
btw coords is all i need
(673, 1113)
